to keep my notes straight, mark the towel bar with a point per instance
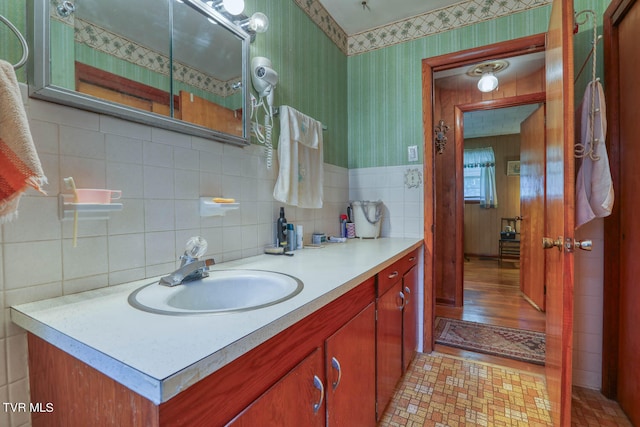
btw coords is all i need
(276, 113)
(23, 42)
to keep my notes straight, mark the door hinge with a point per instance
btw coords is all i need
(376, 314)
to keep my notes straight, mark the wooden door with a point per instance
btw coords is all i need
(389, 344)
(532, 172)
(409, 317)
(291, 401)
(559, 210)
(351, 372)
(621, 371)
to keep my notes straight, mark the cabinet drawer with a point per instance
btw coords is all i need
(390, 276)
(409, 260)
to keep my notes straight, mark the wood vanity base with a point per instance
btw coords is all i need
(82, 396)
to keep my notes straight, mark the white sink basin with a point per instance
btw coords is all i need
(223, 291)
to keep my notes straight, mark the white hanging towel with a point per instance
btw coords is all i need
(301, 174)
(594, 187)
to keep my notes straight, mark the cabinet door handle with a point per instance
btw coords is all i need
(407, 292)
(412, 259)
(336, 365)
(393, 275)
(401, 295)
(318, 384)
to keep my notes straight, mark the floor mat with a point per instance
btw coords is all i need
(527, 346)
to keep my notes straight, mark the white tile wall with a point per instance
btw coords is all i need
(588, 309)
(403, 206)
(161, 174)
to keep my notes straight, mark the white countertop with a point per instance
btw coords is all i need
(159, 356)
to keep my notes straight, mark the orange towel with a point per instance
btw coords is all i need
(19, 163)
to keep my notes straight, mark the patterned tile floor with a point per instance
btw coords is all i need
(441, 390)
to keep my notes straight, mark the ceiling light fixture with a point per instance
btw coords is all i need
(487, 72)
(488, 82)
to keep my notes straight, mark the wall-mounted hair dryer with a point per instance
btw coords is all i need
(264, 79)
(263, 76)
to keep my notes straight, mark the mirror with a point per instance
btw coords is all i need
(175, 64)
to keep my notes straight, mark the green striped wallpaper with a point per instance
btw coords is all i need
(385, 98)
(371, 103)
(583, 43)
(312, 71)
(10, 48)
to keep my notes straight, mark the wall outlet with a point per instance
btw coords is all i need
(412, 153)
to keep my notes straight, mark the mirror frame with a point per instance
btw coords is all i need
(40, 86)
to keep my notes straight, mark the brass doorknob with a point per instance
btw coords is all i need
(548, 243)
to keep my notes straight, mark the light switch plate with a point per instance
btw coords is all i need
(412, 153)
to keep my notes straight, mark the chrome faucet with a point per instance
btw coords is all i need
(191, 268)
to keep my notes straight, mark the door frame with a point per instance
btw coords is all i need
(530, 44)
(459, 110)
(612, 17)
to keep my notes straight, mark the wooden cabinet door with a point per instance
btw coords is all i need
(296, 400)
(409, 317)
(351, 372)
(389, 344)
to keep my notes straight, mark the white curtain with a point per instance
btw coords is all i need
(484, 159)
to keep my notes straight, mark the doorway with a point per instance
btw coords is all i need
(493, 291)
(469, 231)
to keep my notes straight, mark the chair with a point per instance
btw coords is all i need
(509, 242)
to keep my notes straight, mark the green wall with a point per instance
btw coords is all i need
(312, 71)
(371, 103)
(385, 86)
(10, 48)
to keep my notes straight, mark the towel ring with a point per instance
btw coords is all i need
(23, 42)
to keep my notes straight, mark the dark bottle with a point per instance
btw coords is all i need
(281, 229)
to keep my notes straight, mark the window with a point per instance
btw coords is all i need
(480, 177)
(472, 183)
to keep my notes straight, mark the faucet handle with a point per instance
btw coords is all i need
(196, 247)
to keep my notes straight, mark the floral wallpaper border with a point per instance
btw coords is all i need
(318, 14)
(465, 13)
(120, 47)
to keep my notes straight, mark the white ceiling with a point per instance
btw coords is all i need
(355, 18)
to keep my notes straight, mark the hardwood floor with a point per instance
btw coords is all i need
(492, 296)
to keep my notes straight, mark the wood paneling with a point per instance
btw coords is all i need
(482, 226)
(620, 370)
(200, 111)
(111, 87)
(448, 172)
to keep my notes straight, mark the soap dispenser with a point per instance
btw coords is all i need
(281, 229)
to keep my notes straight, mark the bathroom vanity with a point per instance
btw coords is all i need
(330, 355)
